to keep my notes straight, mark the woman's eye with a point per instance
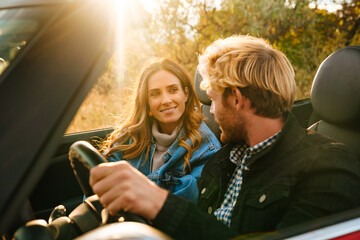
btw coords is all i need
(174, 90)
(154, 94)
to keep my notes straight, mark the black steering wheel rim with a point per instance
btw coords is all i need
(83, 156)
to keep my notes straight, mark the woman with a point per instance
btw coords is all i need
(164, 136)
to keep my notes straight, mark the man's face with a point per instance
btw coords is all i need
(231, 122)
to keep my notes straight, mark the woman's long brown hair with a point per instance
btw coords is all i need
(137, 126)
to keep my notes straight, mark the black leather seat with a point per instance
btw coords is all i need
(335, 97)
(205, 106)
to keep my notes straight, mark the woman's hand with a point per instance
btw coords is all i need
(122, 187)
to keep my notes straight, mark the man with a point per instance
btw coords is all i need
(270, 174)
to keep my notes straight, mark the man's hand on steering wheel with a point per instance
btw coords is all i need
(122, 187)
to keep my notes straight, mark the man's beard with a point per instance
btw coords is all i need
(232, 131)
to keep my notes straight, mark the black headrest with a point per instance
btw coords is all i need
(201, 94)
(335, 93)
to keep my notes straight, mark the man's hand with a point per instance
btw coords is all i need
(122, 187)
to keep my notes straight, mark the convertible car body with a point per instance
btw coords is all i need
(51, 53)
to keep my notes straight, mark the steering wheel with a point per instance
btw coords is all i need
(83, 156)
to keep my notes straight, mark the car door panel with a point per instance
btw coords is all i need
(58, 184)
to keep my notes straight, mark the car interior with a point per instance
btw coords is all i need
(333, 110)
(335, 97)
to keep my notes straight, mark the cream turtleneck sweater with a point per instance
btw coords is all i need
(162, 142)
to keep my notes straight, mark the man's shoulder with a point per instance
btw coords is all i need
(314, 139)
(327, 152)
(296, 137)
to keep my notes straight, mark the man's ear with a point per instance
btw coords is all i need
(237, 97)
(240, 100)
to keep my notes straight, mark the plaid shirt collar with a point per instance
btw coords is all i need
(242, 152)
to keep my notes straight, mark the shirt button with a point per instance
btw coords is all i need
(203, 190)
(210, 210)
(262, 198)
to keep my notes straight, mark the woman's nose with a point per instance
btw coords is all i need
(166, 99)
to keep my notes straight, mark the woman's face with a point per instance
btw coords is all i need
(166, 100)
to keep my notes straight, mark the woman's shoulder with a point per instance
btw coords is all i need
(208, 135)
(204, 129)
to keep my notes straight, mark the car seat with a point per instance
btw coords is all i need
(335, 97)
(205, 106)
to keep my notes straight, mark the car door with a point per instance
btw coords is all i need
(58, 185)
(42, 86)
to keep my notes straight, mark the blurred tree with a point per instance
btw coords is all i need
(349, 24)
(172, 31)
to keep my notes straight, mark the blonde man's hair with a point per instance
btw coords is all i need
(263, 74)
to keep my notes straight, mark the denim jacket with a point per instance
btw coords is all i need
(171, 175)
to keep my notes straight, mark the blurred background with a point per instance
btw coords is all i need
(306, 31)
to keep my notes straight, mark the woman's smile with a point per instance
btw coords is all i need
(168, 110)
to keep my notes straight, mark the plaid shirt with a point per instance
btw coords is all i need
(238, 155)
